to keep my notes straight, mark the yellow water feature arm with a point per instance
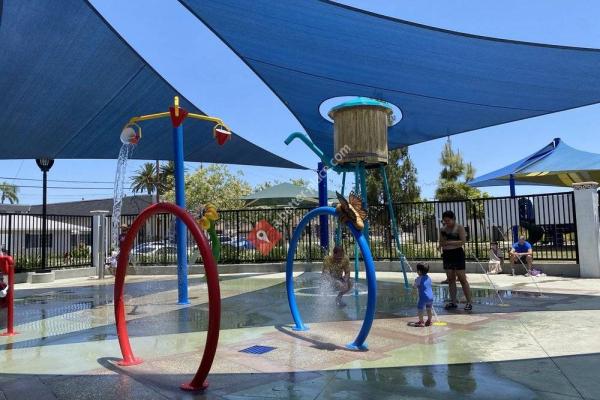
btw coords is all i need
(148, 117)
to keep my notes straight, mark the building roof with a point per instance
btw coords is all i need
(556, 164)
(132, 205)
(443, 82)
(31, 223)
(69, 84)
(284, 194)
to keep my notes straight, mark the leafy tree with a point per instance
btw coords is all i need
(454, 177)
(9, 192)
(167, 177)
(299, 182)
(145, 179)
(402, 179)
(214, 184)
(265, 185)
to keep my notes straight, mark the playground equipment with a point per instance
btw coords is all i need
(207, 216)
(360, 142)
(130, 136)
(489, 280)
(212, 280)
(7, 267)
(359, 341)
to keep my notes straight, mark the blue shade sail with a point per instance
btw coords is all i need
(69, 83)
(308, 51)
(556, 164)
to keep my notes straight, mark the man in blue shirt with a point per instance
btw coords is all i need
(523, 250)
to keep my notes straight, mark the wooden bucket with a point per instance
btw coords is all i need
(360, 134)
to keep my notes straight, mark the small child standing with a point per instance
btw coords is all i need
(3, 292)
(496, 259)
(423, 284)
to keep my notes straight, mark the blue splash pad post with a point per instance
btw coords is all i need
(359, 341)
(177, 117)
(394, 224)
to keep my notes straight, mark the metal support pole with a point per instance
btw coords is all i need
(388, 195)
(356, 186)
(363, 193)
(44, 164)
(323, 219)
(44, 219)
(177, 117)
(338, 231)
(180, 227)
(158, 183)
(515, 228)
(98, 240)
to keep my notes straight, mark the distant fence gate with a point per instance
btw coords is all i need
(549, 217)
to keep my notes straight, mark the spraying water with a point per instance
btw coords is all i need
(120, 174)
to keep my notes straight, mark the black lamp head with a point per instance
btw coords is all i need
(44, 163)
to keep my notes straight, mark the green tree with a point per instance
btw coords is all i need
(214, 184)
(145, 179)
(294, 181)
(402, 179)
(9, 192)
(454, 177)
(453, 182)
(167, 177)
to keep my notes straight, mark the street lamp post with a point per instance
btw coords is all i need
(44, 164)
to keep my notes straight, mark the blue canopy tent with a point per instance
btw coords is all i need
(444, 82)
(556, 164)
(69, 84)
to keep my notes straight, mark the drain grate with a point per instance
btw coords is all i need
(258, 349)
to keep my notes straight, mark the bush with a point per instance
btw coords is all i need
(81, 251)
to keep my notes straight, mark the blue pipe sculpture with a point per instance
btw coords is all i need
(359, 341)
(360, 181)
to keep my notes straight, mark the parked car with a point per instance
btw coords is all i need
(241, 243)
(154, 252)
(224, 238)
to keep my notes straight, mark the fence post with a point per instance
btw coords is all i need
(588, 228)
(575, 223)
(10, 233)
(474, 211)
(7, 265)
(237, 235)
(98, 239)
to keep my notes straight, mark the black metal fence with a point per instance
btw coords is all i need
(548, 220)
(68, 240)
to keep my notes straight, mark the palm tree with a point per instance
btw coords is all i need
(167, 176)
(9, 192)
(144, 179)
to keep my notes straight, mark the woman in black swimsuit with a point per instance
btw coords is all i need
(452, 239)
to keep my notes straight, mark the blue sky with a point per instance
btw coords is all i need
(209, 74)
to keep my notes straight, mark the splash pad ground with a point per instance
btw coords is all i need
(536, 348)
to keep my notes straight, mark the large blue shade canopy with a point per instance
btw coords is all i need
(69, 83)
(556, 164)
(308, 51)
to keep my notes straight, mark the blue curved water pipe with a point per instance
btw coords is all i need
(309, 143)
(358, 176)
(359, 341)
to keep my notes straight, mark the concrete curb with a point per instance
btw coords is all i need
(570, 270)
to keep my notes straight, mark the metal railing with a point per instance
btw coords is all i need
(549, 217)
(68, 243)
